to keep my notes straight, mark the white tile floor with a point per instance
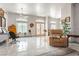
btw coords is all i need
(32, 46)
(74, 46)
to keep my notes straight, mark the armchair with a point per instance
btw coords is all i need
(57, 39)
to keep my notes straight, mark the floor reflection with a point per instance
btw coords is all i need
(31, 46)
(31, 43)
(22, 46)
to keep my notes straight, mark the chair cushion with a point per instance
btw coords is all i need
(55, 36)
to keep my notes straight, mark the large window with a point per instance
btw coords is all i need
(52, 25)
(22, 26)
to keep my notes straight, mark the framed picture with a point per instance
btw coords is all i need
(67, 19)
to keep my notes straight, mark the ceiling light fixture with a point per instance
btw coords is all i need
(21, 14)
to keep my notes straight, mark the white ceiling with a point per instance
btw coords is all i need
(39, 9)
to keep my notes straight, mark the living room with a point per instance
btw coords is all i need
(41, 29)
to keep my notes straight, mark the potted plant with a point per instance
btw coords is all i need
(66, 26)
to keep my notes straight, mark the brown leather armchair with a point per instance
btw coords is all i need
(57, 39)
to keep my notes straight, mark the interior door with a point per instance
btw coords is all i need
(40, 28)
